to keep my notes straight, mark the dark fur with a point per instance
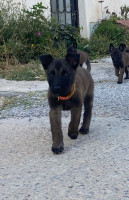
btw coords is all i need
(61, 75)
(120, 59)
(84, 58)
(123, 47)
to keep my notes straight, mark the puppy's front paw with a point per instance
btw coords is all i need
(84, 130)
(119, 82)
(73, 136)
(57, 150)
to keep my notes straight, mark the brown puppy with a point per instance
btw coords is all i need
(123, 47)
(70, 87)
(84, 58)
(120, 60)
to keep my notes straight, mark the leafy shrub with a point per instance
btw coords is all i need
(26, 34)
(108, 31)
(111, 30)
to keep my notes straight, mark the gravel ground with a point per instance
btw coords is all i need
(95, 166)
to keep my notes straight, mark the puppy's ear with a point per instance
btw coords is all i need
(75, 45)
(111, 47)
(122, 47)
(46, 60)
(73, 59)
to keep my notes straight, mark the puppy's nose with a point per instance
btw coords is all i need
(57, 88)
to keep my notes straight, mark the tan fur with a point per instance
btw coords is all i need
(62, 75)
(120, 58)
(84, 58)
(125, 59)
(84, 94)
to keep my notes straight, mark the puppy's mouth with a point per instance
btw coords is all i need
(58, 91)
(116, 60)
(62, 92)
(63, 96)
(69, 95)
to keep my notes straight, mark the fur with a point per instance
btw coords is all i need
(120, 59)
(84, 58)
(61, 75)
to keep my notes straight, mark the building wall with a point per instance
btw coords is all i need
(30, 3)
(82, 17)
(93, 14)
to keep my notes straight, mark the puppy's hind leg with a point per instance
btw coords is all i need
(117, 72)
(88, 104)
(88, 65)
(127, 73)
(120, 79)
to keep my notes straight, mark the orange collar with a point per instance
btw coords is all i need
(69, 95)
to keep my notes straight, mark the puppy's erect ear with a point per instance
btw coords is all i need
(75, 45)
(73, 59)
(46, 60)
(122, 47)
(111, 47)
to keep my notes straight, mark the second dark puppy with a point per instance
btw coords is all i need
(123, 47)
(84, 58)
(120, 60)
(70, 87)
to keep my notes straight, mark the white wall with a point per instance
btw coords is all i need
(89, 11)
(82, 17)
(30, 3)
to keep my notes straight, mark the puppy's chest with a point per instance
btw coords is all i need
(118, 64)
(67, 105)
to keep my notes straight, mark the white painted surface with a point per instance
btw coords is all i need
(29, 4)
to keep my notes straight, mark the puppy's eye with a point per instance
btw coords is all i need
(64, 73)
(51, 74)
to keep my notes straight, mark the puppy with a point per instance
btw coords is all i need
(70, 87)
(120, 59)
(84, 58)
(123, 47)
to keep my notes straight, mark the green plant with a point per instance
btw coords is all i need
(25, 34)
(108, 31)
(111, 30)
(63, 34)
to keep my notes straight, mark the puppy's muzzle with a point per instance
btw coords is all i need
(57, 89)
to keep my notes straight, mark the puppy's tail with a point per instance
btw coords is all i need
(88, 65)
